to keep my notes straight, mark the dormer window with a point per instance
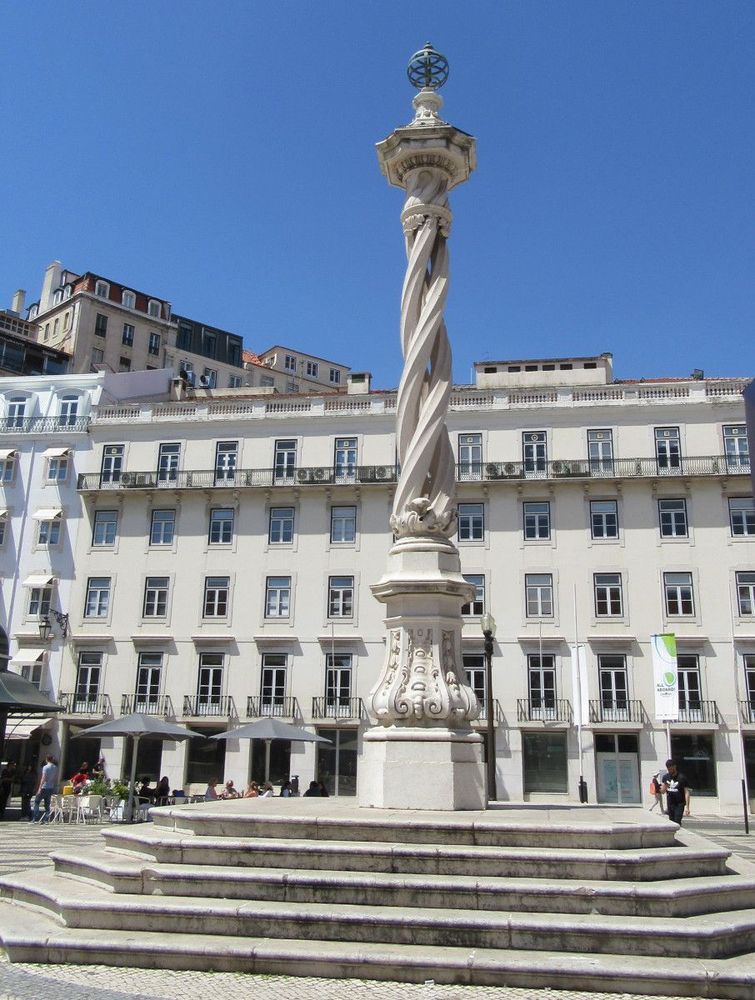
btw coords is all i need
(67, 292)
(57, 297)
(102, 289)
(153, 309)
(33, 312)
(128, 299)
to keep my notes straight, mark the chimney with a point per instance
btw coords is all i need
(358, 383)
(52, 279)
(18, 302)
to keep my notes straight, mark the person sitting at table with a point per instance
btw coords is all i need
(162, 792)
(211, 792)
(145, 793)
(267, 791)
(80, 778)
(252, 790)
(229, 792)
(286, 790)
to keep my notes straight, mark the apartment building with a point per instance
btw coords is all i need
(224, 572)
(20, 351)
(293, 371)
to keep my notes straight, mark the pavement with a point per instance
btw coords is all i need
(24, 845)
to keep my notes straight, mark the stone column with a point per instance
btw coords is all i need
(423, 754)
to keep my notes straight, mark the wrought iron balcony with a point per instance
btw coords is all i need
(748, 710)
(482, 718)
(208, 705)
(147, 704)
(616, 710)
(543, 710)
(269, 706)
(337, 708)
(698, 711)
(180, 479)
(616, 468)
(42, 425)
(85, 703)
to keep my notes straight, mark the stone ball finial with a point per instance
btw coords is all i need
(427, 69)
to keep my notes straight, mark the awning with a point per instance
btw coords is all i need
(27, 657)
(6, 453)
(47, 513)
(39, 580)
(21, 696)
(55, 452)
(24, 729)
(3, 511)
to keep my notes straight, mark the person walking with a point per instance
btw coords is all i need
(676, 787)
(27, 785)
(47, 782)
(7, 777)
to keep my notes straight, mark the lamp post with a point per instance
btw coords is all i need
(487, 624)
(45, 626)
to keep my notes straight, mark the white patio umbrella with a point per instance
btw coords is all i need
(269, 730)
(137, 725)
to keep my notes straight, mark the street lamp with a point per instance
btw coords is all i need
(487, 624)
(45, 626)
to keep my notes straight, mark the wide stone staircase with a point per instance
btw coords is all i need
(573, 898)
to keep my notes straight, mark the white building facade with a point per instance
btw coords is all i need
(223, 574)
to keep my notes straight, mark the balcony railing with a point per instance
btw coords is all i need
(85, 704)
(543, 710)
(42, 425)
(483, 716)
(616, 710)
(201, 706)
(699, 711)
(616, 468)
(337, 708)
(180, 479)
(158, 705)
(748, 710)
(263, 706)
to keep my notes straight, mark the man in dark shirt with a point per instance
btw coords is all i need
(676, 787)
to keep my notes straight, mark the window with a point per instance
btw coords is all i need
(267, 380)
(148, 674)
(2, 529)
(48, 532)
(338, 683)
(335, 376)
(471, 522)
(97, 356)
(343, 525)
(746, 594)
(155, 597)
(470, 457)
(600, 452)
(278, 597)
(40, 599)
(537, 520)
(742, 516)
(234, 381)
(154, 343)
(57, 468)
(100, 325)
(112, 463)
(167, 463)
(234, 353)
(289, 362)
(475, 607)
(7, 466)
(292, 386)
(697, 760)
(16, 412)
(102, 290)
(313, 369)
(153, 309)
(672, 516)
(474, 669)
(127, 337)
(285, 460)
(69, 411)
(226, 457)
(124, 364)
(163, 527)
(273, 687)
(221, 526)
(604, 518)
(128, 299)
(281, 530)
(340, 597)
(184, 338)
(216, 589)
(97, 603)
(105, 527)
(209, 379)
(614, 702)
(688, 686)
(544, 762)
(749, 665)
(678, 594)
(668, 449)
(736, 447)
(87, 682)
(345, 458)
(608, 595)
(538, 589)
(541, 674)
(209, 344)
(535, 453)
(209, 683)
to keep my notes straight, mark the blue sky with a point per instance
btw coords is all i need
(221, 155)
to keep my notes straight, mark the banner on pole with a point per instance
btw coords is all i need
(665, 680)
(579, 684)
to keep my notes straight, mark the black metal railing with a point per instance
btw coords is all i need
(42, 425)
(616, 468)
(147, 705)
(263, 706)
(616, 710)
(483, 716)
(179, 479)
(337, 708)
(699, 711)
(543, 710)
(202, 705)
(85, 704)
(748, 710)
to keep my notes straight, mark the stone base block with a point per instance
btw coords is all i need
(422, 769)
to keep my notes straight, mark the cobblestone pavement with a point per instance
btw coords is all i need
(24, 845)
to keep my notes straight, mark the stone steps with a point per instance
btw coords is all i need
(123, 874)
